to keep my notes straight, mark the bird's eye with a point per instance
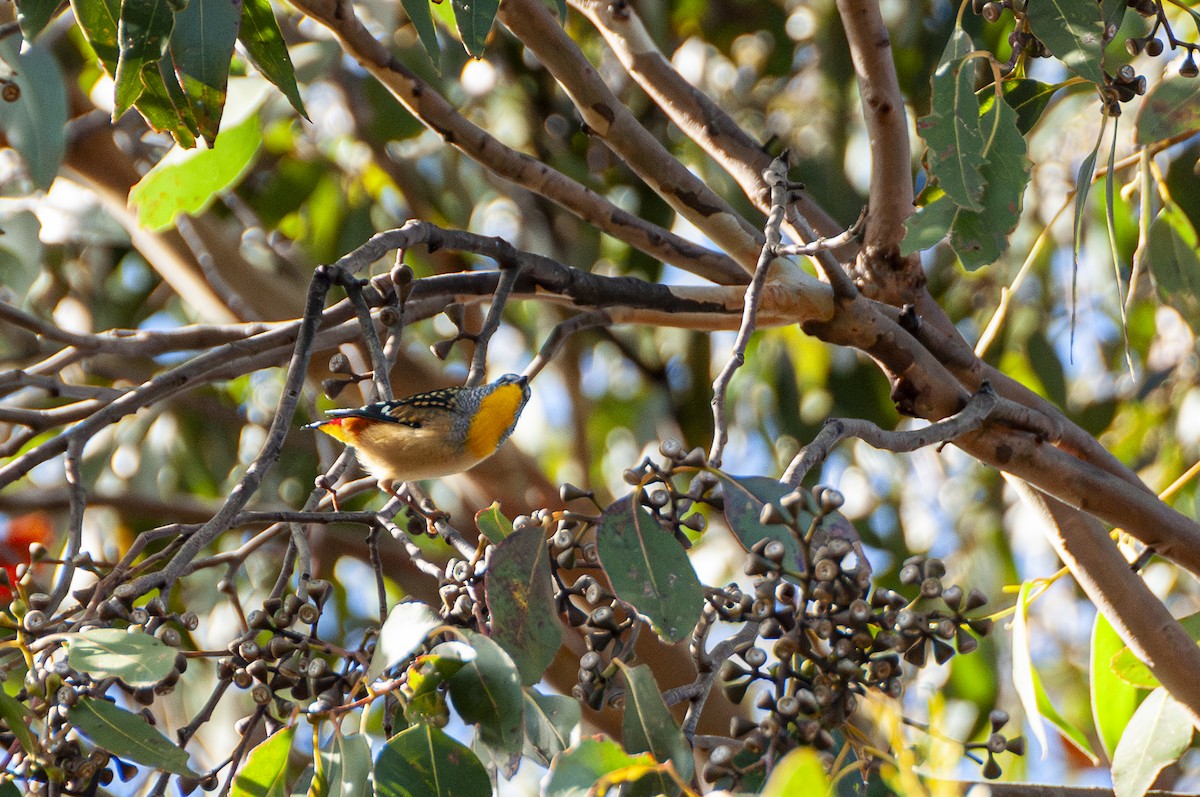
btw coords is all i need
(413, 424)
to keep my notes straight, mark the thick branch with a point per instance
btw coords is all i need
(438, 115)
(1140, 618)
(532, 23)
(891, 191)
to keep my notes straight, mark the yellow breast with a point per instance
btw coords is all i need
(496, 414)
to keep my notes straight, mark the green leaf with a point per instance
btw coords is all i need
(649, 569)
(98, 20)
(492, 523)
(1073, 32)
(265, 772)
(422, 761)
(930, 225)
(201, 50)
(422, 20)
(9, 789)
(33, 15)
(1156, 737)
(1169, 109)
(343, 767)
(35, 122)
(405, 630)
(1171, 253)
(980, 238)
(1112, 12)
(487, 692)
(1028, 98)
(1083, 184)
(520, 600)
(549, 721)
(14, 713)
(424, 679)
(127, 735)
(1029, 687)
(745, 497)
(1113, 699)
(189, 180)
(575, 771)
(648, 727)
(1129, 668)
(143, 32)
(474, 21)
(264, 44)
(951, 130)
(138, 659)
(798, 772)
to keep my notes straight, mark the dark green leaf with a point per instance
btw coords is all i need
(9, 789)
(142, 34)
(1028, 98)
(549, 720)
(487, 692)
(406, 627)
(520, 598)
(1156, 737)
(1048, 368)
(422, 761)
(648, 727)
(951, 130)
(265, 772)
(1169, 109)
(1073, 32)
(343, 766)
(930, 224)
(1083, 184)
(575, 771)
(14, 713)
(35, 122)
(1113, 699)
(745, 497)
(261, 37)
(164, 105)
(474, 21)
(492, 523)
(201, 49)
(127, 735)
(1171, 253)
(980, 238)
(138, 659)
(422, 20)
(649, 569)
(1112, 12)
(32, 16)
(98, 20)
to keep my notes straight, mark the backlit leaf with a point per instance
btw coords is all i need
(260, 35)
(405, 630)
(201, 49)
(1155, 738)
(265, 772)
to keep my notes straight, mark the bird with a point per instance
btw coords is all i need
(430, 435)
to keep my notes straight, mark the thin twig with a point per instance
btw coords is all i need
(970, 418)
(66, 571)
(379, 361)
(508, 277)
(839, 280)
(776, 177)
(563, 330)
